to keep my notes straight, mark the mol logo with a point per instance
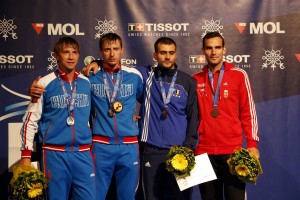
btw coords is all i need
(58, 29)
(261, 28)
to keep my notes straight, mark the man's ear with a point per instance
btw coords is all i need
(155, 56)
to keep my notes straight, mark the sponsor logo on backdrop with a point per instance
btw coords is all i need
(38, 27)
(7, 28)
(241, 61)
(273, 58)
(104, 27)
(212, 26)
(52, 61)
(260, 28)
(197, 61)
(297, 56)
(148, 29)
(67, 29)
(16, 62)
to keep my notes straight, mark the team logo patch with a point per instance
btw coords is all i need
(226, 94)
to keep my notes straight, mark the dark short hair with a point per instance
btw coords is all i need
(210, 35)
(163, 40)
(65, 41)
(109, 37)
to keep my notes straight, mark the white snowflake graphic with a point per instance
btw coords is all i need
(53, 61)
(212, 26)
(273, 58)
(7, 28)
(104, 27)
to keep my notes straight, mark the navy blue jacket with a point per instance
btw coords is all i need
(181, 124)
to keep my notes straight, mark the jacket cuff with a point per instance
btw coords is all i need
(26, 154)
(252, 144)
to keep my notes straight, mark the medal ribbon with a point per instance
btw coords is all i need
(111, 97)
(211, 78)
(167, 98)
(70, 105)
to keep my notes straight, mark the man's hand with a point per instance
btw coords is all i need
(136, 118)
(25, 161)
(254, 151)
(90, 67)
(36, 90)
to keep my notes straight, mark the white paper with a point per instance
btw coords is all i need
(202, 172)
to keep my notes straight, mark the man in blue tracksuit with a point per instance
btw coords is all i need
(61, 115)
(115, 90)
(169, 116)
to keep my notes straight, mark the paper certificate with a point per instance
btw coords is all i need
(202, 172)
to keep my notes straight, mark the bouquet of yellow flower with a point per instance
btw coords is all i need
(27, 182)
(245, 165)
(180, 161)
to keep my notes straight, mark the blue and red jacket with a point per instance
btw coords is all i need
(121, 128)
(49, 115)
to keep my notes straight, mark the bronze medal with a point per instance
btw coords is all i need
(117, 106)
(214, 113)
(165, 113)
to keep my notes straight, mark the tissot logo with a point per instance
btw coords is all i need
(157, 26)
(58, 29)
(236, 58)
(12, 59)
(197, 59)
(261, 28)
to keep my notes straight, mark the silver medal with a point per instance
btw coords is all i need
(70, 121)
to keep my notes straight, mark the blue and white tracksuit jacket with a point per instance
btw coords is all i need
(180, 126)
(111, 135)
(64, 147)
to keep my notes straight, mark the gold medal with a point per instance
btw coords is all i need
(117, 106)
(214, 113)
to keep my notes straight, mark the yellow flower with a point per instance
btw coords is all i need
(179, 162)
(35, 190)
(242, 170)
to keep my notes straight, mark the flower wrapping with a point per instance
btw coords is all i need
(180, 161)
(244, 165)
(27, 181)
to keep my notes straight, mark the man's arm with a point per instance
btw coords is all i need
(192, 111)
(248, 116)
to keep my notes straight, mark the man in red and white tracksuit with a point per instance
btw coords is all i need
(228, 116)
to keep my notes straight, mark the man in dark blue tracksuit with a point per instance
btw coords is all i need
(169, 116)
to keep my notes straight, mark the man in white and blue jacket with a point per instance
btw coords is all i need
(115, 91)
(61, 115)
